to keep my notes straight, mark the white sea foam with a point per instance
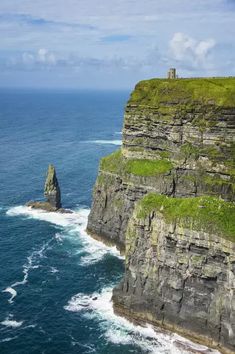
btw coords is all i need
(74, 228)
(8, 339)
(119, 330)
(10, 322)
(11, 291)
(106, 142)
(53, 270)
(52, 217)
(94, 250)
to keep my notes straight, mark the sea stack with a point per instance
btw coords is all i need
(51, 193)
(52, 189)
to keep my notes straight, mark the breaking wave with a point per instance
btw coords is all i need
(119, 330)
(73, 228)
(106, 142)
(10, 322)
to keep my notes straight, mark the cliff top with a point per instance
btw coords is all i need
(218, 91)
(206, 213)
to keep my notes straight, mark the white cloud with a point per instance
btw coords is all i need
(188, 50)
(41, 57)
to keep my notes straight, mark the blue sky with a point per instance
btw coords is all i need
(113, 43)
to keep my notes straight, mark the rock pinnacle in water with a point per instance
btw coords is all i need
(52, 189)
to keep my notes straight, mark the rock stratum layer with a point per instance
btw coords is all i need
(166, 199)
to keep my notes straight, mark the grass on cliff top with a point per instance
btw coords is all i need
(116, 163)
(220, 91)
(202, 213)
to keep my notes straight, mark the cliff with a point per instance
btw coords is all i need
(167, 200)
(180, 267)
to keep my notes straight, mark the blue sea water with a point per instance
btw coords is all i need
(55, 281)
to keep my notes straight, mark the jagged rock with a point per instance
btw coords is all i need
(51, 193)
(52, 189)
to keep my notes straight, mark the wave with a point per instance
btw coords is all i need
(51, 217)
(119, 330)
(106, 142)
(9, 322)
(53, 270)
(11, 291)
(8, 339)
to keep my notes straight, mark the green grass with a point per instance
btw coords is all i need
(148, 167)
(112, 162)
(116, 163)
(220, 91)
(210, 214)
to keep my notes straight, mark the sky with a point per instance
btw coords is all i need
(113, 44)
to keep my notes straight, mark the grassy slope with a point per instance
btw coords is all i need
(116, 163)
(220, 91)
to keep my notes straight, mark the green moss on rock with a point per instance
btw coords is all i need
(210, 214)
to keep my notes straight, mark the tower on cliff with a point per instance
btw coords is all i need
(172, 74)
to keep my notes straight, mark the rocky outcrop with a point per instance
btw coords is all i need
(51, 193)
(179, 144)
(52, 189)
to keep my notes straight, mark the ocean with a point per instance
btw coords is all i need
(55, 281)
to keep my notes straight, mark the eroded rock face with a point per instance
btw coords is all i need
(165, 121)
(52, 189)
(179, 278)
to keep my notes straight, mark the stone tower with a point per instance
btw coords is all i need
(172, 73)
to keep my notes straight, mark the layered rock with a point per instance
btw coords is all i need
(180, 268)
(178, 142)
(187, 126)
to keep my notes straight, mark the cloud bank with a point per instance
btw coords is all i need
(103, 44)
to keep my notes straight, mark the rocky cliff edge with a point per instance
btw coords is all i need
(166, 198)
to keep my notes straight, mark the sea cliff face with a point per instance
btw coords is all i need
(180, 272)
(167, 199)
